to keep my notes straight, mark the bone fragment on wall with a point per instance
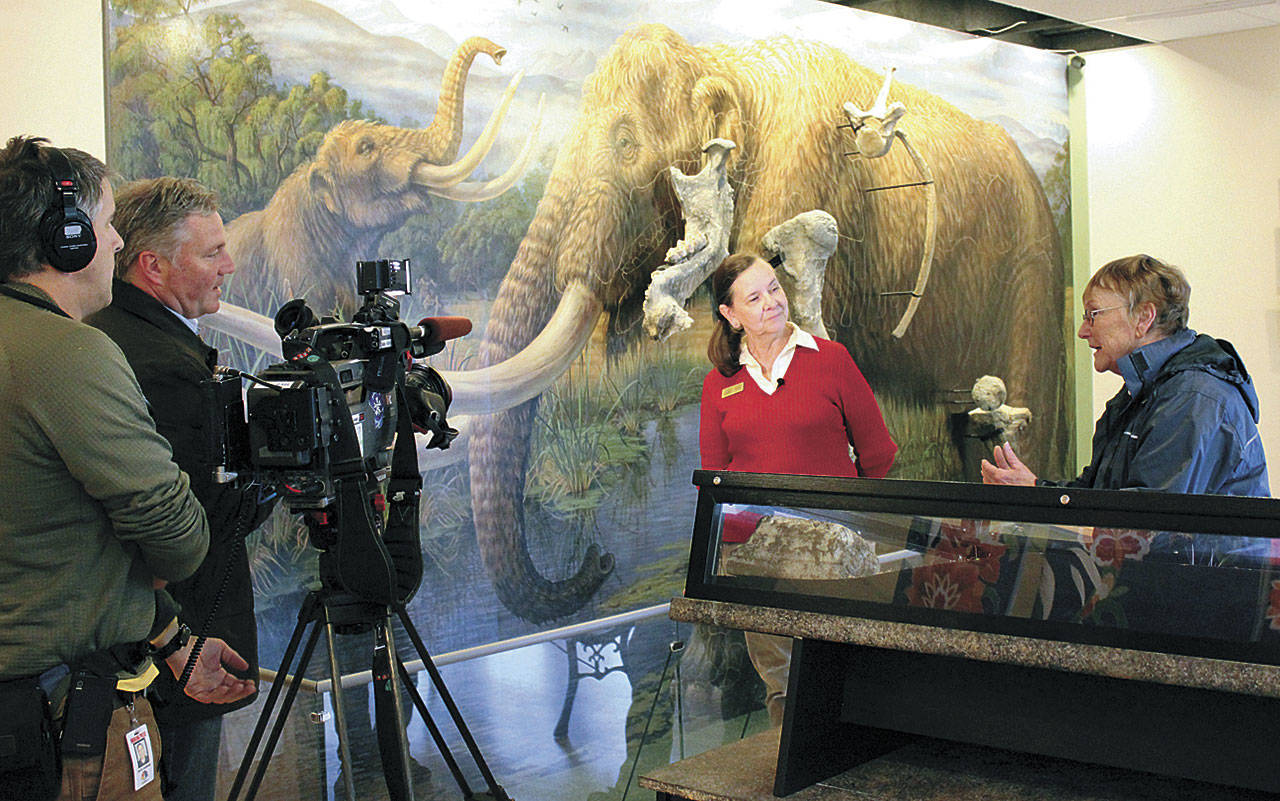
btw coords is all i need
(805, 242)
(873, 128)
(706, 201)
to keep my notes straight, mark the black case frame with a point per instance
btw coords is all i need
(848, 703)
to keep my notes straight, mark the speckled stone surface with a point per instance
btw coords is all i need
(1186, 671)
(927, 770)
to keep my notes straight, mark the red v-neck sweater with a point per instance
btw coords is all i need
(805, 427)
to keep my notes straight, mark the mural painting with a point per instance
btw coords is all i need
(520, 152)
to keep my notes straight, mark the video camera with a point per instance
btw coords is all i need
(287, 428)
(331, 429)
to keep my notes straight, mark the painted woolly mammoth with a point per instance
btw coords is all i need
(365, 181)
(608, 215)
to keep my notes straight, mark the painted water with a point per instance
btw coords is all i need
(640, 522)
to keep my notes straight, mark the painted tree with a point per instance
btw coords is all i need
(192, 94)
(475, 251)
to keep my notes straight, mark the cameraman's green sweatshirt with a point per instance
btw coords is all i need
(92, 507)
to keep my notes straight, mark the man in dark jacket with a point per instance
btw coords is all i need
(168, 275)
(1185, 419)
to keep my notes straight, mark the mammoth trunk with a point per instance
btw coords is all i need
(563, 246)
(445, 131)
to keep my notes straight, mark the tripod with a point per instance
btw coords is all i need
(338, 613)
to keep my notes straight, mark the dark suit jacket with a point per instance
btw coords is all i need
(170, 362)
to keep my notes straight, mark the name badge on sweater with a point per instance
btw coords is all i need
(733, 390)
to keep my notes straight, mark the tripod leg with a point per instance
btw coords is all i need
(436, 735)
(393, 745)
(282, 716)
(339, 713)
(306, 614)
(495, 789)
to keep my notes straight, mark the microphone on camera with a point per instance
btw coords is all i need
(781, 382)
(438, 330)
(442, 329)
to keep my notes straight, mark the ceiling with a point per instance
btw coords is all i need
(1161, 20)
(1083, 25)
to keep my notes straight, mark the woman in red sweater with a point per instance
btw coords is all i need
(781, 401)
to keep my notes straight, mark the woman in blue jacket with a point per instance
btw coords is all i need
(1185, 419)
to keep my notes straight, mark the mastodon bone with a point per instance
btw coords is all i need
(805, 242)
(993, 415)
(873, 128)
(873, 133)
(706, 200)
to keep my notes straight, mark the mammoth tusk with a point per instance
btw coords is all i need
(248, 326)
(435, 176)
(474, 192)
(484, 391)
(930, 235)
(526, 374)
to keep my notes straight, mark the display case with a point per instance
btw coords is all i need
(1129, 628)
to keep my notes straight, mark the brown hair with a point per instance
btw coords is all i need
(151, 215)
(27, 191)
(726, 341)
(1143, 279)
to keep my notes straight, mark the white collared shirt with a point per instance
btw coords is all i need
(769, 385)
(194, 325)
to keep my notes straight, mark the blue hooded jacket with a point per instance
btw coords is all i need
(1185, 421)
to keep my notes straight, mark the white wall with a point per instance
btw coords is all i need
(51, 63)
(1184, 164)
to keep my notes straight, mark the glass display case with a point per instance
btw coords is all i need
(1129, 628)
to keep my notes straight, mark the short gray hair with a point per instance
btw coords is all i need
(150, 215)
(1143, 279)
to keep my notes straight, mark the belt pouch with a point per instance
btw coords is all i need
(30, 767)
(90, 702)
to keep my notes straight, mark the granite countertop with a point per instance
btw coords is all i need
(1187, 671)
(927, 770)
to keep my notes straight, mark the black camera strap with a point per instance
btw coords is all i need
(383, 566)
(404, 491)
(34, 300)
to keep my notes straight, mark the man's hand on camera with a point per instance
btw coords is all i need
(210, 682)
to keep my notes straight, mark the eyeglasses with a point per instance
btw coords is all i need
(1091, 315)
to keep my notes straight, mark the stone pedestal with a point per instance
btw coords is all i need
(864, 693)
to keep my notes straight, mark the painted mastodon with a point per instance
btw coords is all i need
(365, 181)
(995, 299)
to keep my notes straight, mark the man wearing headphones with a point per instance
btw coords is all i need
(95, 514)
(168, 275)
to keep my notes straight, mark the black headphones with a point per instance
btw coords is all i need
(67, 240)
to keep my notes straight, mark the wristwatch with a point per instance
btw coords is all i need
(174, 645)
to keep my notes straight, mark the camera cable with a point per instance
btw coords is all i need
(238, 545)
